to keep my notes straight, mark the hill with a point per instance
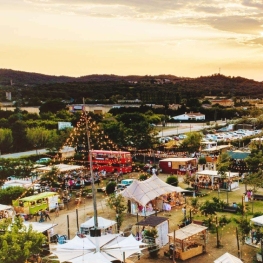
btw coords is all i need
(158, 89)
(31, 78)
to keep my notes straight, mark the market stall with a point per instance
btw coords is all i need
(161, 224)
(188, 241)
(6, 211)
(212, 180)
(178, 165)
(32, 204)
(147, 197)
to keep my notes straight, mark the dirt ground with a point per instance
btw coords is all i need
(78, 213)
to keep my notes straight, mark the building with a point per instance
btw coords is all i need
(223, 102)
(190, 117)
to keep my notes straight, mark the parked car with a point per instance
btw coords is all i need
(45, 160)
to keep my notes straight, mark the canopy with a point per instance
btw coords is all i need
(228, 258)
(61, 167)
(111, 247)
(187, 231)
(102, 223)
(92, 258)
(5, 207)
(39, 227)
(145, 191)
(257, 220)
(213, 173)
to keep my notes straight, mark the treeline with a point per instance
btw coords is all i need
(111, 88)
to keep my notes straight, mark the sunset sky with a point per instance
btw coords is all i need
(186, 38)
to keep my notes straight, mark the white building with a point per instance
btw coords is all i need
(190, 116)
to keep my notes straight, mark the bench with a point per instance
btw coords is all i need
(257, 197)
(230, 209)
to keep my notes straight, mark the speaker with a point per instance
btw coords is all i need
(95, 232)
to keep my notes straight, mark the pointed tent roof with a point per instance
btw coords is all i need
(145, 191)
(92, 258)
(111, 247)
(228, 258)
(102, 223)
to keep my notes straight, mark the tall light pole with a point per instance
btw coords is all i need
(91, 172)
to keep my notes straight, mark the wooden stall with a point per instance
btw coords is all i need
(188, 241)
(212, 180)
(178, 165)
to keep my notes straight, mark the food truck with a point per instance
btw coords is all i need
(30, 205)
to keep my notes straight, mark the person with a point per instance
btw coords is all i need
(46, 214)
(234, 204)
(41, 216)
(184, 211)
(57, 209)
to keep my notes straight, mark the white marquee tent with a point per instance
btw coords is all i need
(257, 220)
(61, 168)
(228, 258)
(102, 223)
(144, 191)
(105, 248)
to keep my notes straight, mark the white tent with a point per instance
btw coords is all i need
(102, 223)
(111, 247)
(92, 258)
(145, 191)
(257, 220)
(61, 168)
(228, 258)
(39, 227)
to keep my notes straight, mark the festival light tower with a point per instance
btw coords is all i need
(96, 231)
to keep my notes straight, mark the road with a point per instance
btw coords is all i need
(23, 154)
(186, 127)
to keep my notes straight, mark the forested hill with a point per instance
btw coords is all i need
(150, 89)
(29, 78)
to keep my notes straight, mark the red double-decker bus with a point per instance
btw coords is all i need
(111, 161)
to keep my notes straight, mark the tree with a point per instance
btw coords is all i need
(19, 135)
(192, 141)
(137, 131)
(6, 140)
(18, 243)
(254, 162)
(37, 137)
(117, 203)
(208, 208)
(52, 106)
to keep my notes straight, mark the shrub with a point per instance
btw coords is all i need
(110, 188)
(11, 193)
(150, 236)
(144, 177)
(172, 180)
(202, 160)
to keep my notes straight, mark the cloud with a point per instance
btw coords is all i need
(236, 24)
(237, 16)
(256, 41)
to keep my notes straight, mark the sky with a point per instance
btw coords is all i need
(185, 38)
